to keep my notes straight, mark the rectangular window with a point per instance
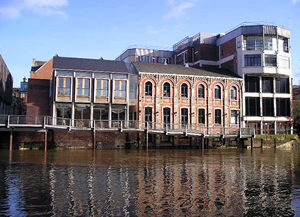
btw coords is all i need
(283, 107)
(82, 111)
(201, 116)
(284, 62)
(268, 43)
(286, 45)
(101, 87)
(120, 88)
(252, 106)
(118, 113)
(251, 84)
(234, 117)
(64, 86)
(100, 112)
(254, 43)
(218, 117)
(252, 60)
(267, 84)
(268, 106)
(63, 110)
(83, 87)
(270, 60)
(282, 85)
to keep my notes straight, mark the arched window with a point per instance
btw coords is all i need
(201, 93)
(167, 90)
(184, 90)
(148, 88)
(217, 92)
(233, 93)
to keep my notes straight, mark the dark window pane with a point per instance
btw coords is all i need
(217, 92)
(283, 107)
(270, 60)
(184, 90)
(282, 85)
(148, 88)
(252, 106)
(268, 106)
(184, 117)
(201, 116)
(267, 85)
(201, 93)
(251, 84)
(252, 60)
(167, 89)
(218, 119)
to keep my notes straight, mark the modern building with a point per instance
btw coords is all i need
(260, 54)
(6, 86)
(146, 55)
(83, 89)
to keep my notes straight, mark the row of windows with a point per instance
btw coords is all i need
(184, 116)
(253, 106)
(184, 90)
(252, 84)
(266, 43)
(270, 60)
(83, 87)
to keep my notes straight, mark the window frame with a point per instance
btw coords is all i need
(218, 93)
(235, 95)
(96, 87)
(184, 90)
(219, 120)
(203, 91)
(147, 94)
(184, 116)
(253, 60)
(202, 117)
(120, 88)
(169, 92)
(57, 86)
(235, 122)
(83, 87)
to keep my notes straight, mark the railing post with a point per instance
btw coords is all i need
(8, 120)
(44, 123)
(147, 137)
(186, 128)
(121, 127)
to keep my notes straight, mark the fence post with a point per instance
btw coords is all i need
(147, 137)
(44, 123)
(8, 120)
(121, 127)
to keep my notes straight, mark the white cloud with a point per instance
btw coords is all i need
(295, 1)
(178, 7)
(42, 7)
(152, 30)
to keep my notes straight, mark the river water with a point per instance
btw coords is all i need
(226, 182)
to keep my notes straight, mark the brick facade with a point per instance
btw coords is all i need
(38, 97)
(193, 103)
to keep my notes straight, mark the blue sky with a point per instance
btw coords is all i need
(104, 28)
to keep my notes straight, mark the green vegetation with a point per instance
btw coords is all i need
(296, 112)
(278, 137)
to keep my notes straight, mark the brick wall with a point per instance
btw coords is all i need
(38, 97)
(45, 72)
(228, 48)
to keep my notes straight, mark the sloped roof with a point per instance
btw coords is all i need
(182, 70)
(71, 63)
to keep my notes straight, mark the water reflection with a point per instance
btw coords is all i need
(154, 183)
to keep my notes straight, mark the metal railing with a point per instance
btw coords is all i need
(154, 127)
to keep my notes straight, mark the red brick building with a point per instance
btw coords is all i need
(183, 97)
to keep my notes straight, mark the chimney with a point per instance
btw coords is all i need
(24, 79)
(101, 58)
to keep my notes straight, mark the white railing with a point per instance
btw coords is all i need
(154, 127)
